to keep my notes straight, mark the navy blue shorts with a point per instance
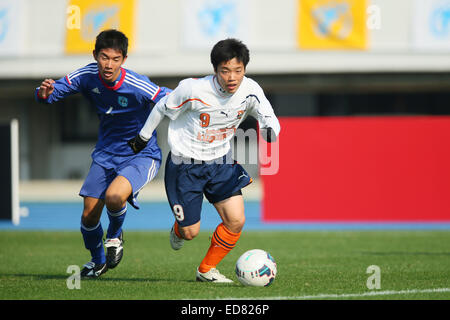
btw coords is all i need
(138, 170)
(186, 183)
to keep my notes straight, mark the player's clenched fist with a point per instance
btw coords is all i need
(46, 88)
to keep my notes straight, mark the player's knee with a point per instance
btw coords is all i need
(241, 221)
(236, 224)
(114, 201)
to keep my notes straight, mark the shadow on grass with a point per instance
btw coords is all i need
(102, 278)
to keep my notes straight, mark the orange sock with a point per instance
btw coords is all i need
(223, 240)
(176, 230)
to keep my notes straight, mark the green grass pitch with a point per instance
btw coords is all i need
(311, 264)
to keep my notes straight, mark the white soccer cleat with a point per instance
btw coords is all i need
(175, 242)
(114, 251)
(213, 275)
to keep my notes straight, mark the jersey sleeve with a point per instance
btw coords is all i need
(163, 91)
(62, 90)
(154, 119)
(66, 86)
(171, 104)
(262, 110)
(177, 101)
(151, 91)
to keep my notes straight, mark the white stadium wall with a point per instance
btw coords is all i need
(402, 45)
(168, 40)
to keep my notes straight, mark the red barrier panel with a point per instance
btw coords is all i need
(361, 169)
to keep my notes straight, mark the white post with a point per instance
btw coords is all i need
(15, 171)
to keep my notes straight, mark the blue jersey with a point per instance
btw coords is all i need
(122, 107)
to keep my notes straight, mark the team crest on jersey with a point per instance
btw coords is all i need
(123, 101)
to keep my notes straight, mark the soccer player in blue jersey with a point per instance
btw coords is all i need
(123, 100)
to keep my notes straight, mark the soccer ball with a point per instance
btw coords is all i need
(256, 268)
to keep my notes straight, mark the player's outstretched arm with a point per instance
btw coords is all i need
(50, 91)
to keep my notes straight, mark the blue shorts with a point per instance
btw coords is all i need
(138, 170)
(186, 183)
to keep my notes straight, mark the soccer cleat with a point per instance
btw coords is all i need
(114, 251)
(93, 270)
(175, 242)
(213, 275)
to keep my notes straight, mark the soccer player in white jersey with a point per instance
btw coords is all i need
(204, 115)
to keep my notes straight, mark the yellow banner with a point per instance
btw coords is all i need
(332, 24)
(86, 19)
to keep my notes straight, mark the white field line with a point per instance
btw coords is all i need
(346, 295)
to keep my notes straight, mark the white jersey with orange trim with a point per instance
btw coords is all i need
(204, 117)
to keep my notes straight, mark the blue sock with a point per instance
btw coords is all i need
(116, 219)
(93, 242)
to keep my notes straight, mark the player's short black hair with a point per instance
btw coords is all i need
(228, 49)
(111, 39)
